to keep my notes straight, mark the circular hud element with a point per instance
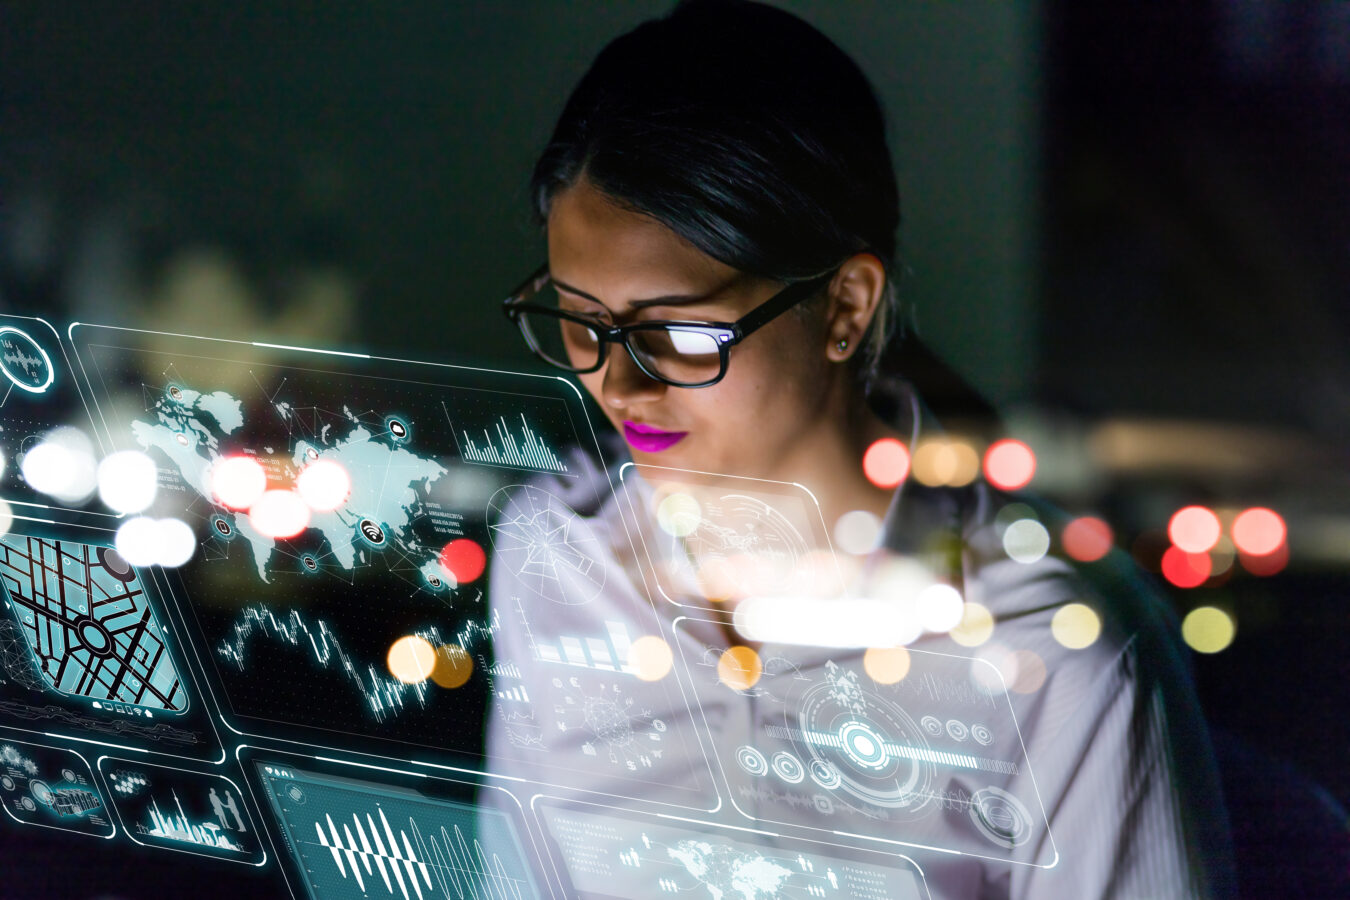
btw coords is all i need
(751, 760)
(1000, 817)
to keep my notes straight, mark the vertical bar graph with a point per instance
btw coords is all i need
(608, 653)
(505, 449)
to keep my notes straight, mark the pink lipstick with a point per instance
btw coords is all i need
(649, 439)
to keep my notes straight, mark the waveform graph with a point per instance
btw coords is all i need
(500, 446)
(23, 361)
(546, 545)
(358, 839)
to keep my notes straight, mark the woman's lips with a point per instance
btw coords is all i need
(649, 439)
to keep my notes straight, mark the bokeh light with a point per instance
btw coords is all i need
(324, 485)
(994, 669)
(886, 462)
(940, 608)
(1194, 529)
(886, 665)
(137, 541)
(679, 514)
(127, 481)
(1186, 570)
(1026, 541)
(412, 659)
(943, 461)
(237, 481)
(1087, 539)
(976, 626)
(62, 466)
(1208, 629)
(464, 559)
(650, 658)
(740, 668)
(279, 514)
(1076, 626)
(1009, 464)
(857, 532)
(1267, 565)
(1258, 531)
(177, 543)
(453, 666)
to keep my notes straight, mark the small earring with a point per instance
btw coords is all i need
(841, 345)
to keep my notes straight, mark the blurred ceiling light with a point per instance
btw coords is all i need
(1208, 629)
(858, 532)
(1087, 539)
(1186, 570)
(1026, 541)
(1258, 531)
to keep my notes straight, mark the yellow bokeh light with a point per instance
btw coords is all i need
(412, 659)
(886, 665)
(679, 514)
(976, 627)
(1207, 629)
(650, 658)
(454, 666)
(739, 668)
(1076, 626)
(939, 461)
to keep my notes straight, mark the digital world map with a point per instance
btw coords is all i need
(191, 428)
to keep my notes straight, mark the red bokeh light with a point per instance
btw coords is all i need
(1195, 529)
(886, 462)
(1267, 564)
(464, 559)
(1087, 539)
(237, 481)
(1009, 464)
(1258, 531)
(1186, 570)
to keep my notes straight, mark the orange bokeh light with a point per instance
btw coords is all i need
(1258, 531)
(1185, 570)
(1194, 529)
(886, 462)
(1087, 539)
(1009, 464)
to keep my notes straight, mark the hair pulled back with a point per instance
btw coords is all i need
(745, 131)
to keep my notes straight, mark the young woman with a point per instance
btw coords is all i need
(721, 213)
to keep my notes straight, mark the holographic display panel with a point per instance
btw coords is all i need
(89, 623)
(303, 629)
(351, 838)
(603, 854)
(51, 788)
(182, 810)
(930, 759)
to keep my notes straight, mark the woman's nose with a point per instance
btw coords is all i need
(625, 384)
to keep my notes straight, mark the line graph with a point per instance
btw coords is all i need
(350, 837)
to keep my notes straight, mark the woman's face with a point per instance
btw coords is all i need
(779, 390)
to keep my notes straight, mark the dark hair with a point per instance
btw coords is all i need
(745, 131)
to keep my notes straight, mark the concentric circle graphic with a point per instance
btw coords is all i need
(751, 760)
(1000, 817)
(788, 767)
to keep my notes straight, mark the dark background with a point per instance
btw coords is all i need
(1121, 220)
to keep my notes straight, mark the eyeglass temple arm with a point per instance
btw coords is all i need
(530, 285)
(787, 298)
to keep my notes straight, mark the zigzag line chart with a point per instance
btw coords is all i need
(412, 864)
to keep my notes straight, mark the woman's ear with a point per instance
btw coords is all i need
(855, 294)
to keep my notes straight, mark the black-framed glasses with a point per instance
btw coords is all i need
(680, 354)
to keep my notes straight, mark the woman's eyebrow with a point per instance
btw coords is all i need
(668, 300)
